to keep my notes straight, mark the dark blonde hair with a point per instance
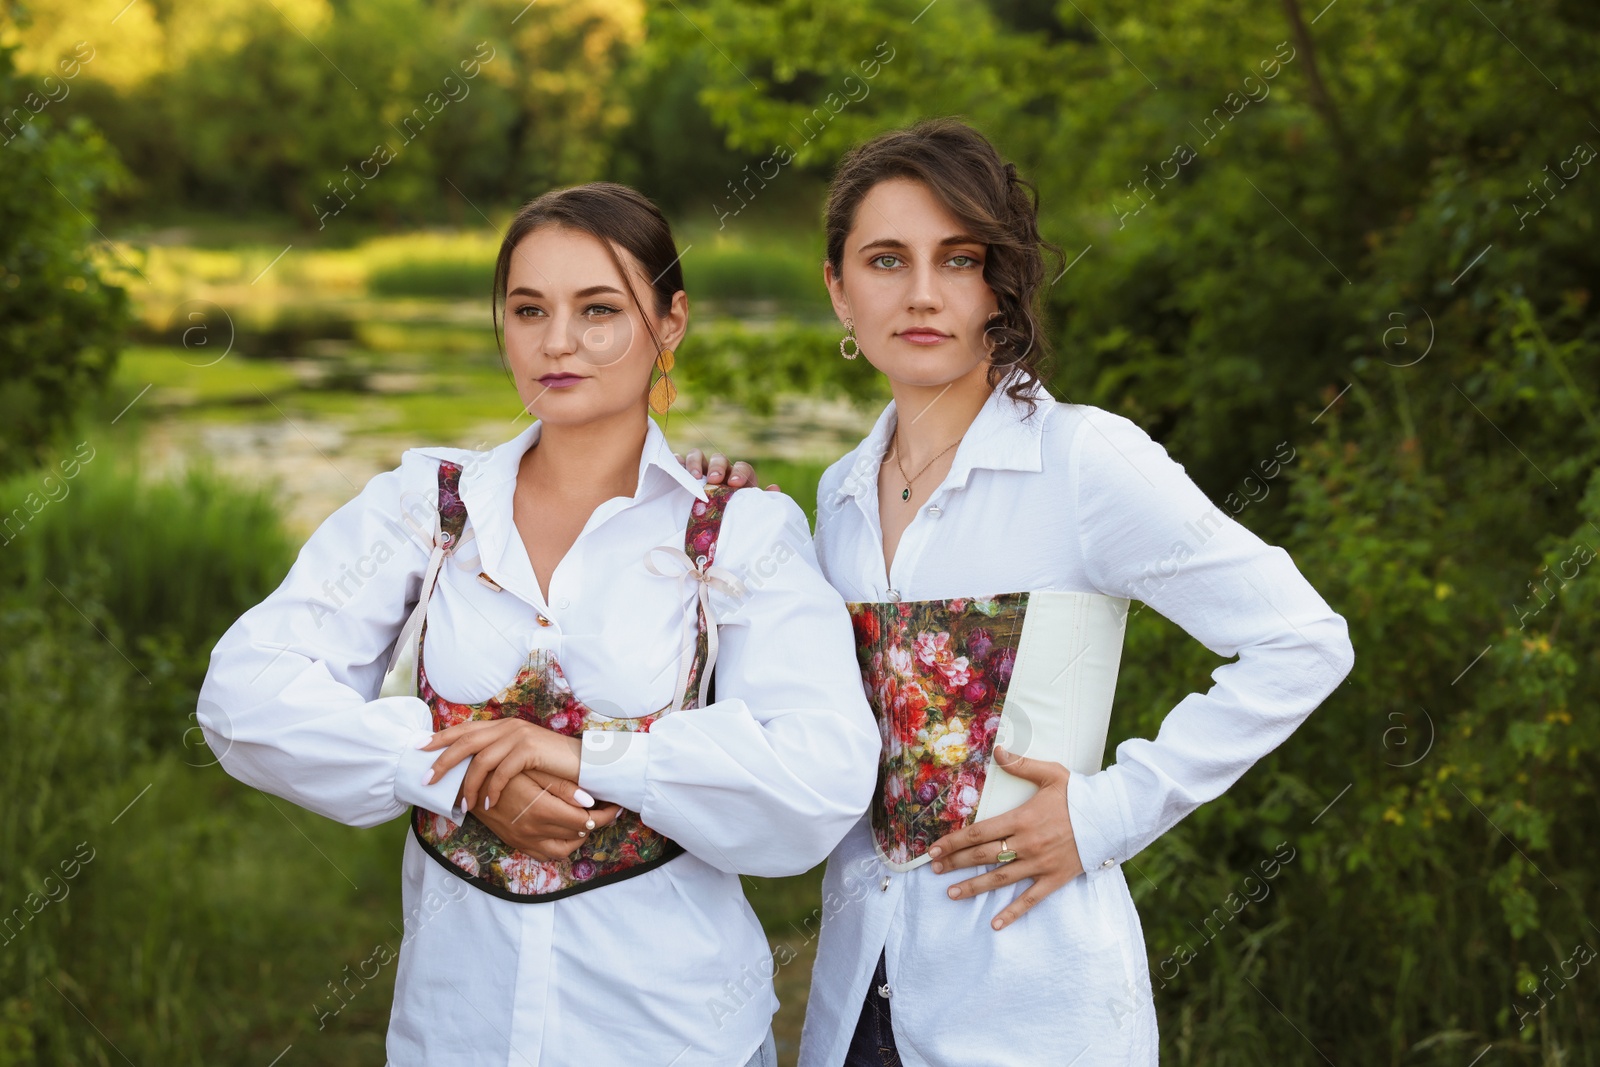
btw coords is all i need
(962, 168)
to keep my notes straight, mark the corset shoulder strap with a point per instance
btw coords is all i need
(452, 510)
(705, 524)
(700, 545)
(401, 679)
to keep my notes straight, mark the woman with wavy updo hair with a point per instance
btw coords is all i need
(988, 539)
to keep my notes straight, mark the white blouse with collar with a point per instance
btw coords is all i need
(670, 966)
(1073, 498)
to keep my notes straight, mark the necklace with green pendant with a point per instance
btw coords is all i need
(906, 493)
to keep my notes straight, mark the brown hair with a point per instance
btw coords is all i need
(962, 168)
(615, 214)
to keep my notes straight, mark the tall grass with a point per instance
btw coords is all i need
(432, 265)
(151, 908)
(770, 272)
(183, 555)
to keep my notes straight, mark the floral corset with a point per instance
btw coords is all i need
(541, 694)
(936, 673)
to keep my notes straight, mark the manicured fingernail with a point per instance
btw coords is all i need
(583, 798)
(938, 868)
(488, 802)
(998, 923)
(935, 851)
(427, 779)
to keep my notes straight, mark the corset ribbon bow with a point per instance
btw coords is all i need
(707, 577)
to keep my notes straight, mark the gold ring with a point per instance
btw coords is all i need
(1006, 855)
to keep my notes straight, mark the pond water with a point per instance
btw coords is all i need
(318, 402)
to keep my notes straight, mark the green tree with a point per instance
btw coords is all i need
(365, 109)
(60, 319)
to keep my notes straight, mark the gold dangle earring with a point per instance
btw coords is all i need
(663, 392)
(850, 336)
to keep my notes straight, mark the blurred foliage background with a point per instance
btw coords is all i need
(1340, 259)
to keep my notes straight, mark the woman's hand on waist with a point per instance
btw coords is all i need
(1039, 831)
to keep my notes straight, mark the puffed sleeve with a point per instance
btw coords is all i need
(767, 779)
(1147, 532)
(290, 700)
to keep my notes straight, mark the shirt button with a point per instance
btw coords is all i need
(1107, 863)
(885, 886)
(543, 621)
(934, 511)
(564, 603)
(893, 594)
(883, 990)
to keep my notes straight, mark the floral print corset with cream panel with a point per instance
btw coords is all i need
(541, 694)
(950, 679)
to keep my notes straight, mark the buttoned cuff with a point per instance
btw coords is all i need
(612, 766)
(1096, 814)
(412, 770)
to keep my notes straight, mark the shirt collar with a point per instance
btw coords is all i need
(484, 470)
(658, 454)
(1003, 436)
(488, 485)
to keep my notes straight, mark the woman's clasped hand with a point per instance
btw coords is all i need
(518, 784)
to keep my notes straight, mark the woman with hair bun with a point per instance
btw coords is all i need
(583, 795)
(988, 539)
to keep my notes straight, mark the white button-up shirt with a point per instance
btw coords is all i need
(1074, 499)
(670, 966)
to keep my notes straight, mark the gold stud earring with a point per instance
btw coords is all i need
(850, 336)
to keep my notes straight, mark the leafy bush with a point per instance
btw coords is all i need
(60, 319)
(752, 365)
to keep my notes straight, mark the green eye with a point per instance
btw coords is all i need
(878, 260)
